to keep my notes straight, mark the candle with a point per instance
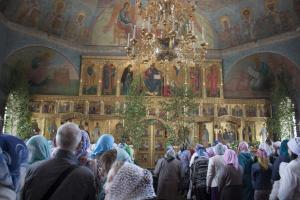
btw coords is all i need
(123, 122)
(134, 31)
(193, 27)
(128, 38)
(149, 28)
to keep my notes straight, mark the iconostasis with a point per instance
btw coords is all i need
(104, 83)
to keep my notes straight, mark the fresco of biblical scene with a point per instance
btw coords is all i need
(274, 17)
(222, 110)
(254, 76)
(35, 106)
(153, 81)
(48, 72)
(116, 19)
(208, 110)
(237, 111)
(212, 80)
(64, 107)
(230, 132)
(195, 80)
(94, 107)
(79, 107)
(90, 79)
(251, 111)
(126, 79)
(264, 110)
(48, 107)
(109, 79)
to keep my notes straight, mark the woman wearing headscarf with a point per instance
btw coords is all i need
(168, 170)
(39, 149)
(198, 175)
(104, 152)
(129, 181)
(246, 160)
(82, 152)
(215, 165)
(261, 173)
(231, 177)
(104, 143)
(184, 157)
(13, 163)
(283, 157)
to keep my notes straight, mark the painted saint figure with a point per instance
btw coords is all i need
(95, 133)
(109, 74)
(153, 80)
(126, 79)
(124, 21)
(212, 78)
(205, 136)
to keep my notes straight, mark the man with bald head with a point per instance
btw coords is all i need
(61, 177)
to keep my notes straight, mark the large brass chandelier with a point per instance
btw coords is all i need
(167, 33)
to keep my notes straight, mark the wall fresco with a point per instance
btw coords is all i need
(48, 72)
(253, 76)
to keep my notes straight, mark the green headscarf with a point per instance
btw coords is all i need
(284, 148)
(39, 149)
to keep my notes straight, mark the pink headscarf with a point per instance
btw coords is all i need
(243, 147)
(230, 158)
(262, 158)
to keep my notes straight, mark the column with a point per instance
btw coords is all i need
(221, 83)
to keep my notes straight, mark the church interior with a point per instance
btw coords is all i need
(78, 58)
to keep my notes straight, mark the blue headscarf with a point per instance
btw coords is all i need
(284, 148)
(13, 156)
(85, 144)
(39, 149)
(202, 152)
(185, 160)
(104, 143)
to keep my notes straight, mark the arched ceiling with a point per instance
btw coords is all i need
(227, 23)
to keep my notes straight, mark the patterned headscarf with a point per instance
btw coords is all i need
(185, 159)
(243, 147)
(284, 150)
(13, 157)
(262, 158)
(170, 153)
(39, 149)
(230, 158)
(85, 144)
(130, 182)
(104, 143)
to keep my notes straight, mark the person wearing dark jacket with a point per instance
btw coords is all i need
(246, 161)
(61, 177)
(261, 173)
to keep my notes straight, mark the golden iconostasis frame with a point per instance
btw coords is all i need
(98, 111)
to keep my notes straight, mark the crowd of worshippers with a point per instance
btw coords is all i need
(71, 168)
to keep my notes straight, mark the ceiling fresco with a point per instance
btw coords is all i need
(227, 23)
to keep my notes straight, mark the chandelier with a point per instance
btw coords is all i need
(167, 33)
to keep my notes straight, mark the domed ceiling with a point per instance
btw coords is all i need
(226, 23)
